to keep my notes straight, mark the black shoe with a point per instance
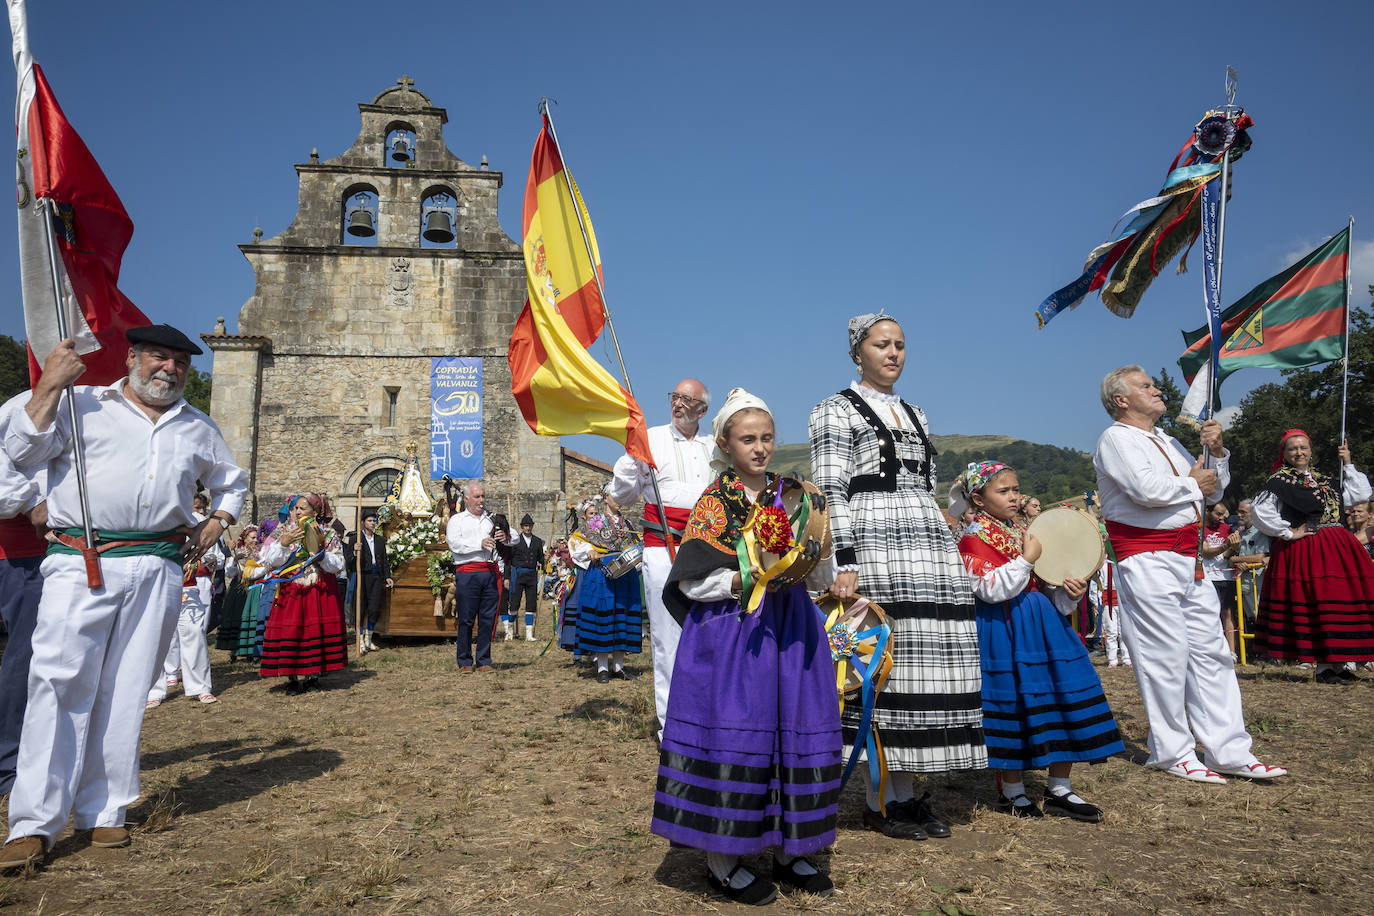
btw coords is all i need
(624, 674)
(603, 677)
(892, 825)
(756, 893)
(1327, 676)
(311, 683)
(918, 811)
(1060, 806)
(1346, 674)
(294, 688)
(814, 883)
(1006, 806)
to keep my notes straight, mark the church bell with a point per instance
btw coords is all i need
(438, 228)
(360, 223)
(400, 150)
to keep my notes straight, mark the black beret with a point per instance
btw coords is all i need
(526, 520)
(162, 335)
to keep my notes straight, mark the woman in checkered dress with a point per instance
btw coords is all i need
(871, 456)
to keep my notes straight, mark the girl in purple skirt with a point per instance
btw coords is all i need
(751, 753)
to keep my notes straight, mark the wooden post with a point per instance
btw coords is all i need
(358, 571)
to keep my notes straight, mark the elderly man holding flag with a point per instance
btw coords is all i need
(96, 649)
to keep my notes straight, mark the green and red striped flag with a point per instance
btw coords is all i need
(1293, 319)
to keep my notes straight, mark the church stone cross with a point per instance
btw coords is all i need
(405, 82)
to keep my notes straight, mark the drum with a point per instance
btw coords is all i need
(786, 536)
(858, 631)
(1072, 542)
(623, 562)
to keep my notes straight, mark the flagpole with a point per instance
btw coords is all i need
(596, 275)
(1213, 362)
(1345, 362)
(93, 577)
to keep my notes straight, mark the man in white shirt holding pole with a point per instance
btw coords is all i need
(1153, 494)
(95, 649)
(683, 455)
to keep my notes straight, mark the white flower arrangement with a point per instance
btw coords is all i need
(411, 541)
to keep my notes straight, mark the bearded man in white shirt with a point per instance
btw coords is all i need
(683, 456)
(96, 650)
(1153, 494)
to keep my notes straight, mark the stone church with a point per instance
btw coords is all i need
(395, 255)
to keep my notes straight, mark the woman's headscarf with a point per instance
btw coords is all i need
(973, 479)
(243, 535)
(737, 400)
(1287, 434)
(859, 327)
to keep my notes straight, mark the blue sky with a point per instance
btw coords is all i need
(758, 172)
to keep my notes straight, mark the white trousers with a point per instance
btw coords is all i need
(1172, 626)
(94, 655)
(189, 649)
(1111, 632)
(664, 631)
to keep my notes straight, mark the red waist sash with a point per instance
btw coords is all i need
(1128, 540)
(18, 540)
(653, 524)
(478, 566)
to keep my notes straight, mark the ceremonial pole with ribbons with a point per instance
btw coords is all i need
(1345, 360)
(610, 327)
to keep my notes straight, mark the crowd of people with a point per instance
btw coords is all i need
(990, 665)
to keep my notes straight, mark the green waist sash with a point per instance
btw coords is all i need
(154, 544)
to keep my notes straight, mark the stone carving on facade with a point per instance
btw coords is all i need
(400, 292)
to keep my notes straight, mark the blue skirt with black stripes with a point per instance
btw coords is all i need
(1042, 699)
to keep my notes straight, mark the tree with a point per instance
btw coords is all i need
(1170, 423)
(14, 367)
(197, 391)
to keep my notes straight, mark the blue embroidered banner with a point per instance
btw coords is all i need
(455, 417)
(1211, 270)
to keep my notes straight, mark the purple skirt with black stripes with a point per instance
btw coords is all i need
(751, 754)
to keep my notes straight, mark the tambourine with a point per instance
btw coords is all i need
(1072, 542)
(623, 562)
(311, 536)
(860, 643)
(786, 534)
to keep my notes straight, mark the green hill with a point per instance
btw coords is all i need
(1048, 472)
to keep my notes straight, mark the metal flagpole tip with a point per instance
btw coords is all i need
(1231, 82)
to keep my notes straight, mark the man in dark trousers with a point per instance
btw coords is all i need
(527, 555)
(376, 573)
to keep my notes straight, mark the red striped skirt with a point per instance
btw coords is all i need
(305, 633)
(1317, 603)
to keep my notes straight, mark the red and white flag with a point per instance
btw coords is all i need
(60, 181)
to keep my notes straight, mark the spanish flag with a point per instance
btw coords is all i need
(560, 388)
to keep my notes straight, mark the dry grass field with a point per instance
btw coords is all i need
(405, 788)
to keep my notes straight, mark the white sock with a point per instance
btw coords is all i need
(900, 787)
(1059, 788)
(1015, 792)
(618, 660)
(721, 865)
(799, 865)
(603, 662)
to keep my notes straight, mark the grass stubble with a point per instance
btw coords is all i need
(406, 788)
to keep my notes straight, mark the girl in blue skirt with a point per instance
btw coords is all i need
(751, 753)
(1042, 700)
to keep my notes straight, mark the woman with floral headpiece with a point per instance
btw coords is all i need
(750, 758)
(1042, 701)
(304, 635)
(1317, 602)
(871, 455)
